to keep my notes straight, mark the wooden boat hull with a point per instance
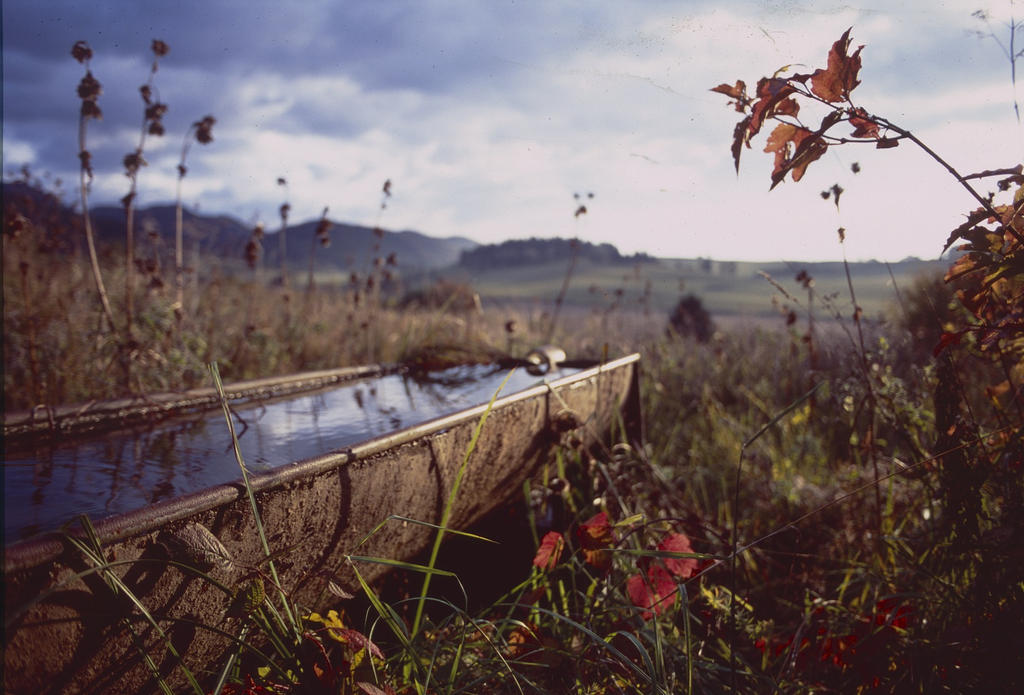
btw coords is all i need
(65, 633)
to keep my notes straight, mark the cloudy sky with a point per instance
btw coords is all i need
(489, 115)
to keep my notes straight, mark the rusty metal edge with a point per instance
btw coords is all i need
(44, 420)
(33, 552)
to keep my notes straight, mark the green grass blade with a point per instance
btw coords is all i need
(412, 566)
(446, 515)
(215, 374)
(93, 551)
(408, 520)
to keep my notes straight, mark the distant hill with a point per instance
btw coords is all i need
(225, 237)
(220, 236)
(356, 246)
(534, 251)
(518, 271)
(351, 245)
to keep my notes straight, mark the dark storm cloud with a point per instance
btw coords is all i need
(216, 46)
(488, 111)
(409, 45)
(467, 49)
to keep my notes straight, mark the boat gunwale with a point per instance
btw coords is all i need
(81, 418)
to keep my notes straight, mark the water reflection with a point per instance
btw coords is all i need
(125, 470)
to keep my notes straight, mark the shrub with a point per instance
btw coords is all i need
(691, 319)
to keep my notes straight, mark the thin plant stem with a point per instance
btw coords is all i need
(450, 505)
(215, 374)
(92, 550)
(985, 203)
(560, 299)
(94, 262)
(872, 401)
(89, 91)
(201, 131)
(179, 251)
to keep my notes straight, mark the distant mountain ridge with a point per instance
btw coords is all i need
(225, 237)
(350, 245)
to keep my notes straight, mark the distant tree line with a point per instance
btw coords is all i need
(518, 252)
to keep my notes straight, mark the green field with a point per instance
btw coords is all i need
(725, 288)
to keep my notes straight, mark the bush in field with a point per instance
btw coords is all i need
(691, 319)
(443, 294)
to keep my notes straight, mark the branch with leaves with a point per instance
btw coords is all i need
(990, 270)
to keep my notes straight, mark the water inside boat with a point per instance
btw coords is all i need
(100, 475)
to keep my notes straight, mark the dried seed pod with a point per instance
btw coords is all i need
(194, 544)
(204, 129)
(81, 52)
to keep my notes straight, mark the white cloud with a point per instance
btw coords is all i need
(18, 153)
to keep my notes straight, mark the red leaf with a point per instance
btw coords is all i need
(773, 100)
(739, 138)
(948, 339)
(654, 592)
(550, 550)
(772, 91)
(795, 148)
(960, 232)
(810, 150)
(596, 537)
(683, 567)
(787, 107)
(863, 127)
(840, 78)
(782, 141)
(357, 641)
(737, 92)
(806, 147)
(891, 611)
(964, 265)
(596, 532)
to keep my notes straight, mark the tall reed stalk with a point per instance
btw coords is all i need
(89, 90)
(281, 237)
(202, 132)
(574, 245)
(152, 124)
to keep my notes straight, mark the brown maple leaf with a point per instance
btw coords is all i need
(782, 140)
(795, 148)
(737, 92)
(771, 92)
(863, 126)
(739, 138)
(835, 83)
